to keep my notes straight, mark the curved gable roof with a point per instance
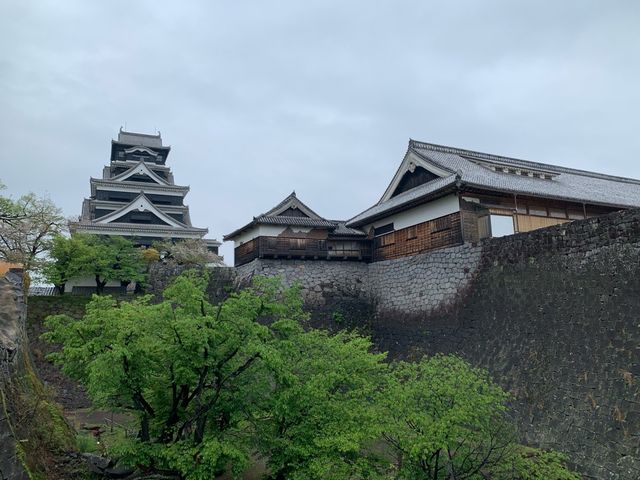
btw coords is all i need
(142, 204)
(141, 168)
(500, 174)
(308, 217)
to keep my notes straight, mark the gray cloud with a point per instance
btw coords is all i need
(260, 98)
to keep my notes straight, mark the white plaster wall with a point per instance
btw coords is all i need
(422, 213)
(259, 231)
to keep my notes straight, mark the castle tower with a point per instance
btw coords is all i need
(137, 196)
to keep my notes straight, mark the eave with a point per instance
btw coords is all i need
(138, 230)
(108, 205)
(289, 222)
(131, 145)
(431, 195)
(519, 193)
(127, 186)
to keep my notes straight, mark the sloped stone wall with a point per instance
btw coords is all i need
(221, 279)
(336, 293)
(553, 314)
(425, 282)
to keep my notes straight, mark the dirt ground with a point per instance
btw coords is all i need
(68, 393)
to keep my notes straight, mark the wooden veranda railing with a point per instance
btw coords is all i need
(302, 248)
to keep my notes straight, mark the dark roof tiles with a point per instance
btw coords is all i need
(475, 169)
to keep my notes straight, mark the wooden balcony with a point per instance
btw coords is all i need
(302, 248)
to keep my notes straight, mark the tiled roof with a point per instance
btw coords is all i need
(273, 217)
(294, 202)
(405, 199)
(342, 229)
(475, 169)
(297, 221)
(132, 138)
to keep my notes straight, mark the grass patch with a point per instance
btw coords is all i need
(87, 443)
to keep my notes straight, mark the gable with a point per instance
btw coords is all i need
(145, 217)
(292, 207)
(141, 151)
(140, 173)
(141, 204)
(292, 211)
(414, 171)
(409, 180)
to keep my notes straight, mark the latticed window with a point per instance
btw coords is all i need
(297, 243)
(442, 223)
(385, 240)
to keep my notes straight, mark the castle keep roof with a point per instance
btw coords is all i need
(136, 196)
(131, 138)
(458, 168)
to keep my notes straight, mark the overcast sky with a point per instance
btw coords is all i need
(260, 98)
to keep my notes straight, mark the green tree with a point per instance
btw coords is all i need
(64, 256)
(107, 258)
(320, 420)
(188, 370)
(211, 385)
(27, 228)
(445, 420)
(532, 464)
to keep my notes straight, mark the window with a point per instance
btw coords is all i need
(384, 240)
(557, 213)
(501, 225)
(272, 242)
(381, 230)
(114, 198)
(539, 211)
(388, 239)
(442, 223)
(297, 243)
(412, 232)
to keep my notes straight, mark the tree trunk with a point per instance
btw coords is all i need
(144, 428)
(201, 423)
(100, 284)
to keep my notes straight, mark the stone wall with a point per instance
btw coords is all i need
(552, 314)
(417, 284)
(336, 293)
(422, 283)
(221, 279)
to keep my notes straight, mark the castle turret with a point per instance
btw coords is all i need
(137, 196)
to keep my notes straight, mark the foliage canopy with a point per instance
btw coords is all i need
(214, 386)
(27, 228)
(104, 258)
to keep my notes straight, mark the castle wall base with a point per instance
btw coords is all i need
(552, 314)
